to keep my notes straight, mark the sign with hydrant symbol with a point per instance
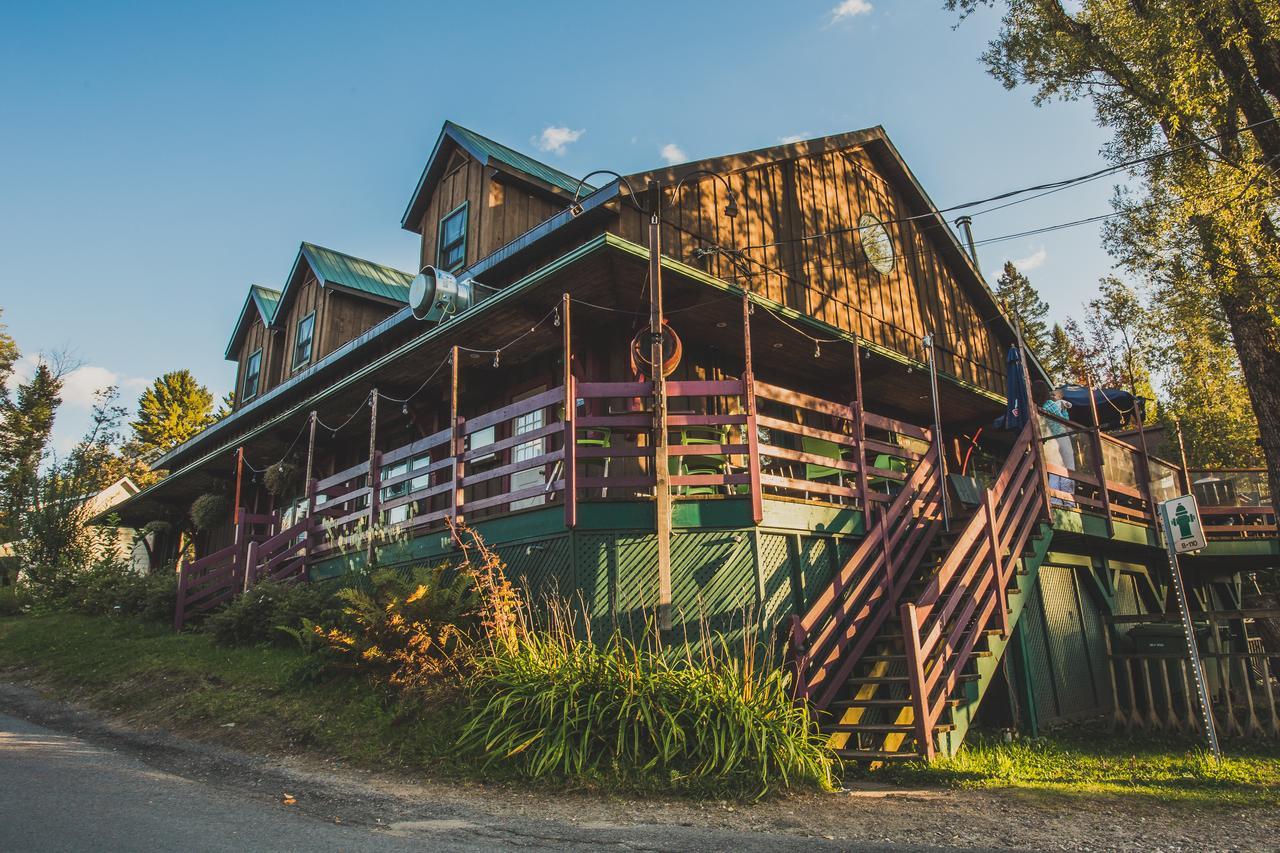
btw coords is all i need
(1182, 521)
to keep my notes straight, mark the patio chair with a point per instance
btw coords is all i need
(711, 464)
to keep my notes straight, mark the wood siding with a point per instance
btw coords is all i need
(309, 297)
(498, 209)
(257, 336)
(783, 205)
(347, 317)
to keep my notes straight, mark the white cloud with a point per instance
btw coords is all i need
(1032, 261)
(673, 154)
(80, 386)
(850, 9)
(555, 138)
(795, 137)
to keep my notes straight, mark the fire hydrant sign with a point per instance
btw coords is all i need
(1182, 522)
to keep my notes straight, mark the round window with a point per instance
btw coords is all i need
(876, 243)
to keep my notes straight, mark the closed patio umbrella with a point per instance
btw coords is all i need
(1015, 412)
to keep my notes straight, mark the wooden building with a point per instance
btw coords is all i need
(816, 455)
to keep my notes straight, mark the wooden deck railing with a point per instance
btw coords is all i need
(1104, 475)
(967, 597)
(216, 578)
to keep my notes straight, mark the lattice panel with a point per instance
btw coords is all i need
(816, 567)
(775, 566)
(712, 582)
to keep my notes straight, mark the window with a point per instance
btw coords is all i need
(302, 346)
(252, 372)
(876, 243)
(452, 253)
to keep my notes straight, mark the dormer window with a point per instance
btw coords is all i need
(252, 373)
(452, 253)
(302, 346)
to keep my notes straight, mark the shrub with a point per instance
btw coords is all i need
(13, 600)
(110, 587)
(552, 704)
(260, 614)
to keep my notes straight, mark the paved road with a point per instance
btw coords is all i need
(59, 792)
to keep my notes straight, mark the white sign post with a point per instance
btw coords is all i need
(1182, 533)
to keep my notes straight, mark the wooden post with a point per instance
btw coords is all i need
(860, 433)
(915, 678)
(1145, 473)
(375, 475)
(1033, 418)
(1102, 465)
(179, 611)
(458, 443)
(662, 486)
(570, 419)
(250, 564)
(235, 507)
(937, 432)
(311, 451)
(749, 397)
(1182, 457)
(997, 563)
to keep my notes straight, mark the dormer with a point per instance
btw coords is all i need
(328, 299)
(476, 195)
(253, 346)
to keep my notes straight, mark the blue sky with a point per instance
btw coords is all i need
(157, 158)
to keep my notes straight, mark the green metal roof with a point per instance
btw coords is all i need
(356, 273)
(266, 301)
(483, 149)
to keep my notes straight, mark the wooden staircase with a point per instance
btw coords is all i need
(897, 654)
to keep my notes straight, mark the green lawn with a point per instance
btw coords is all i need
(153, 677)
(1084, 763)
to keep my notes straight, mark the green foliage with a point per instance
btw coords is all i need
(282, 478)
(26, 422)
(554, 705)
(1022, 302)
(8, 356)
(14, 600)
(173, 409)
(270, 613)
(210, 511)
(1093, 763)
(409, 631)
(111, 588)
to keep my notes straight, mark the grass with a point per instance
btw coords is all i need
(1100, 764)
(150, 677)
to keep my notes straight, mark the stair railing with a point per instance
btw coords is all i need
(967, 597)
(282, 558)
(832, 636)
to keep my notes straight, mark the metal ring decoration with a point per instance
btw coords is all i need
(672, 347)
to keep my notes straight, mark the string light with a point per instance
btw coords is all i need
(557, 312)
(817, 350)
(497, 355)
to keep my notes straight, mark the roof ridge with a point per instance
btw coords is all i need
(352, 257)
(509, 149)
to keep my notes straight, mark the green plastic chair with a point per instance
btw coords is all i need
(710, 464)
(829, 449)
(885, 462)
(597, 437)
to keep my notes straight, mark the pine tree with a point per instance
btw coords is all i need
(26, 422)
(8, 357)
(173, 409)
(1065, 357)
(1023, 303)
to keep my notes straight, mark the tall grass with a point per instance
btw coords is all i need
(549, 702)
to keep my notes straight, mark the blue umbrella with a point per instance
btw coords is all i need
(1015, 413)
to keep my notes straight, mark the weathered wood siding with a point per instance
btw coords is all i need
(498, 208)
(783, 205)
(347, 317)
(258, 336)
(309, 297)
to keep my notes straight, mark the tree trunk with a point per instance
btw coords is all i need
(1257, 342)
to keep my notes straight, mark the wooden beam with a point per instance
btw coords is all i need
(661, 475)
(374, 474)
(235, 506)
(570, 419)
(752, 436)
(459, 437)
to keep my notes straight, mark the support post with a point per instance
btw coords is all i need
(375, 476)
(1145, 472)
(570, 419)
(749, 398)
(311, 452)
(235, 506)
(937, 431)
(998, 563)
(250, 564)
(1182, 457)
(860, 433)
(1102, 464)
(1033, 418)
(179, 611)
(458, 443)
(662, 486)
(915, 677)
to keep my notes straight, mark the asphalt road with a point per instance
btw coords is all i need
(59, 792)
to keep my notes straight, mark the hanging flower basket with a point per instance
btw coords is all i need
(210, 511)
(281, 478)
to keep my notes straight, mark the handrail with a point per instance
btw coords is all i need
(967, 596)
(836, 630)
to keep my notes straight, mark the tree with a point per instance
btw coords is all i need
(173, 409)
(8, 357)
(26, 422)
(225, 406)
(1022, 301)
(1191, 92)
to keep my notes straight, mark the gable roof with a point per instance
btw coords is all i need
(347, 272)
(882, 149)
(486, 151)
(265, 300)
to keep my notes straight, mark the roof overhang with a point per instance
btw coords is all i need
(251, 306)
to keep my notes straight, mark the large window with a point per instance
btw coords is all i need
(452, 253)
(252, 373)
(302, 346)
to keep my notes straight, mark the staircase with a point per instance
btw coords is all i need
(897, 654)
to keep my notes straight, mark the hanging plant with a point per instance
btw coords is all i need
(210, 511)
(281, 478)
